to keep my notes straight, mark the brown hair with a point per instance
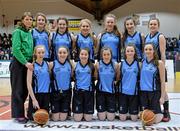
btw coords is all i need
(115, 30)
(66, 20)
(125, 34)
(131, 45)
(156, 58)
(90, 64)
(154, 18)
(22, 18)
(105, 48)
(68, 56)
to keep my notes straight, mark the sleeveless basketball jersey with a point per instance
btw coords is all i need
(129, 77)
(85, 42)
(41, 78)
(106, 77)
(41, 38)
(135, 39)
(61, 40)
(112, 41)
(155, 41)
(62, 75)
(150, 79)
(83, 77)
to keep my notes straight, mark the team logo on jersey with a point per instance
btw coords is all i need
(57, 69)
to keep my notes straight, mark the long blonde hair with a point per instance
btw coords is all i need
(44, 16)
(90, 25)
(40, 14)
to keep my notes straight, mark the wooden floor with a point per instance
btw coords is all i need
(173, 86)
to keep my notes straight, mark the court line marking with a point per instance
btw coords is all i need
(27, 103)
(10, 110)
(5, 112)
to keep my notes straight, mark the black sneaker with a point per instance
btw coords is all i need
(166, 116)
(21, 120)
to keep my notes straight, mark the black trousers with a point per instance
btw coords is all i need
(18, 74)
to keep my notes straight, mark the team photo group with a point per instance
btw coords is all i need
(117, 73)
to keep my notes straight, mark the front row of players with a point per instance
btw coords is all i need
(135, 84)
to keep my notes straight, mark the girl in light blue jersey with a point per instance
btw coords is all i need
(105, 93)
(61, 92)
(159, 41)
(40, 35)
(38, 83)
(86, 39)
(132, 36)
(152, 82)
(111, 37)
(128, 88)
(83, 97)
(62, 37)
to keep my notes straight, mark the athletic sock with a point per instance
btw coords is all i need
(166, 106)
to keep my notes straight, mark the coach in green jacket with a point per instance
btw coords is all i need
(22, 47)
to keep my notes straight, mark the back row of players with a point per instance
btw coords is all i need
(135, 83)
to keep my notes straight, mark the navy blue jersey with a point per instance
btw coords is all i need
(106, 77)
(59, 40)
(155, 41)
(112, 41)
(135, 39)
(62, 75)
(85, 42)
(41, 38)
(83, 77)
(129, 77)
(41, 78)
(150, 78)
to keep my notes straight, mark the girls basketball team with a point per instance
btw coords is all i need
(125, 84)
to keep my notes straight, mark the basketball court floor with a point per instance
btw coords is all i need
(6, 123)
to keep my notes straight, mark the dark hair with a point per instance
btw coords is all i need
(156, 58)
(22, 18)
(131, 45)
(68, 57)
(115, 30)
(125, 34)
(105, 48)
(66, 20)
(90, 64)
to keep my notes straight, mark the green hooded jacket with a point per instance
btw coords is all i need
(22, 45)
